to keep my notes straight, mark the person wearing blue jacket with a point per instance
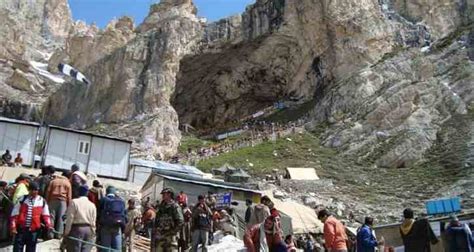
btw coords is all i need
(459, 236)
(366, 241)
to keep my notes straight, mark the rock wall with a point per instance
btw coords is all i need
(86, 45)
(390, 113)
(132, 85)
(283, 49)
(441, 16)
(30, 30)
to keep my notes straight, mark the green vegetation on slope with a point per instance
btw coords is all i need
(298, 150)
(192, 142)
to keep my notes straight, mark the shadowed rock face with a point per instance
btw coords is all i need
(281, 49)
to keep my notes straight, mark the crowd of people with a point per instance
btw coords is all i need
(172, 224)
(254, 133)
(417, 235)
(54, 205)
(62, 206)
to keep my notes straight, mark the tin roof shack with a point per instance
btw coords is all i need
(237, 176)
(141, 169)
(391, 232)
(194, 186)
(221, 171)
(18, 137)
(102, 155)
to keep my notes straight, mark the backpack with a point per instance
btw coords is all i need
(113, 212)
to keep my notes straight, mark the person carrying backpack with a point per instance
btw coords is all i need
(26, 218)
(458, 236)
(200, 224)
(113, 218)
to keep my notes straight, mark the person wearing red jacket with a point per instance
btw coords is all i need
(26, 218)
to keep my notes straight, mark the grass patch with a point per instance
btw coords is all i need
(303, 150)
(194, 143)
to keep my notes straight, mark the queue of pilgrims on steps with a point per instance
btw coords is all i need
(64, 207)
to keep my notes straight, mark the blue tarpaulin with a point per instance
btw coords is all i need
(443, 206)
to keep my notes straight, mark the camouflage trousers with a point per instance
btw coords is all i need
(164, 244)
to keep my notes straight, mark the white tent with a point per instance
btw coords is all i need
(303, 219)
(301, 173)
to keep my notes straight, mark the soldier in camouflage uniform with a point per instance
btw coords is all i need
(169, 221)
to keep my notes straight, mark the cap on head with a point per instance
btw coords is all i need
(33, 186)
(408, 213)
(23, 176)
(83, 190)
(454, 218)
(74, 167)
(111, 190)
(167, 190)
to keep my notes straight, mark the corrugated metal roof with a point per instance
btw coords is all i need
(210, 184)
(9, 120)
(89, 133)
(160, 165)
(302, 173)
(198, 180)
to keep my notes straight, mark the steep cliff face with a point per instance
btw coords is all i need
(277, 50)
(30, 31)
(440, 16)
(85, 44)
(382, 109)
(392, 113)
(132, 85)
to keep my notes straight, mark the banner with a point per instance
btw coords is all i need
(224, 199)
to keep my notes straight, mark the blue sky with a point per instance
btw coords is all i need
(102, 11)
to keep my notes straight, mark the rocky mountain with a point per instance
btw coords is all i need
(385, 75)
(30, 32)
(133, 73)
